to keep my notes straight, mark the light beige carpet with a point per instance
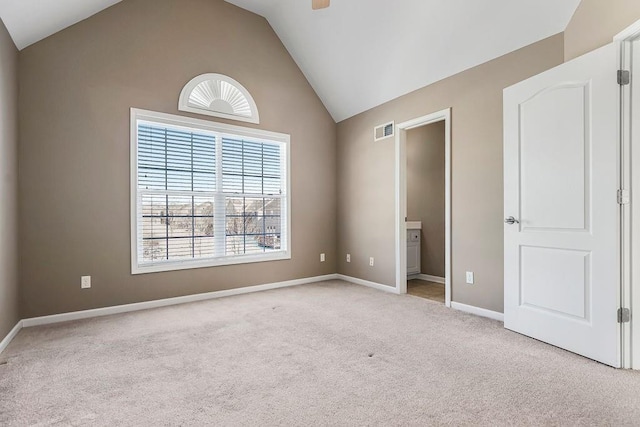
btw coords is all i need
(325, 354)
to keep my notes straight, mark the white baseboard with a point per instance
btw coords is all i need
(428, 278)
(478, 311)
(127, 308)
(367, 283)
(12, 334)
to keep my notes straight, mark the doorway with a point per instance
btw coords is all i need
(412, 221)
(425, 212)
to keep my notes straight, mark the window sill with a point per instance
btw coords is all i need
(206, 263)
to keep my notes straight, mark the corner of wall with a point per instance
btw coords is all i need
(9, 290)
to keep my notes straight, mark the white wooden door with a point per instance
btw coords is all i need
(561, 182)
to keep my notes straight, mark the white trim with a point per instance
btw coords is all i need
(183, 101)
(284, 140)
(367, 283)
(624, 48)
(208, 125)
(478, 311)
(401, 198)
(629, 235)
(629, 33)
(428, 278)
(127, 308)
(12, 334)
(163, 266)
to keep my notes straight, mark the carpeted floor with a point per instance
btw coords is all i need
(325, 354)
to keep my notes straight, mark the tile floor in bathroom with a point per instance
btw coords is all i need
(428, 290)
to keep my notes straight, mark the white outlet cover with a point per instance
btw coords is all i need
(85, 282)
(322, 258)
(470, 278)
(371, 262)
(348, 257)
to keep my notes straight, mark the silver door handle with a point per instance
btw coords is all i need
(511, 220)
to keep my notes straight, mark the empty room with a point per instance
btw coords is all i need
(319, 212)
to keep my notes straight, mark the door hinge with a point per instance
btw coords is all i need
(624, 315)
(624, 77)
(624, 198)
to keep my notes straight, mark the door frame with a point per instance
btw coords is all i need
(629, 235)
(401, 197)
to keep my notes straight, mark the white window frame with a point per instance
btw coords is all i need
(138, 115)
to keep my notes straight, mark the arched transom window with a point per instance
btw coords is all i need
(219, 96)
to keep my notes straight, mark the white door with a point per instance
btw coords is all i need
(561, 182)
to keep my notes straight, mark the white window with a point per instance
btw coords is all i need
(219, 96)
(206, 194)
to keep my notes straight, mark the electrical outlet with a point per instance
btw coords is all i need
(371, 262)
(85, 282)
(348, 257)
(322, 258)
(470, 278)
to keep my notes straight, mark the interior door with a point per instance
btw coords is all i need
(561, 234)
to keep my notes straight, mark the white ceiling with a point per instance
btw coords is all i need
(358, 54)
(29, 21)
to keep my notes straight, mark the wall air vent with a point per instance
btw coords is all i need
(384, 131)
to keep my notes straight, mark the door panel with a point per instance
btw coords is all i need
(561, 181)
(565, 274)
(555, 142)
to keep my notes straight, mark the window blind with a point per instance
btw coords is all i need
(206, 195)
(252, 184)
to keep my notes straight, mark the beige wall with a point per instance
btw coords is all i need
(8, 183)
(366, 202)
(426, 193)
(76, 89)
(596, 22)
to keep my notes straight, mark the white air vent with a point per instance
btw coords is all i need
(384, 131)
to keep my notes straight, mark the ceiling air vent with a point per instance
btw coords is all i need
(384, 131)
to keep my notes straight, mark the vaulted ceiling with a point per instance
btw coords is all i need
(30, 21)
(357, 54)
